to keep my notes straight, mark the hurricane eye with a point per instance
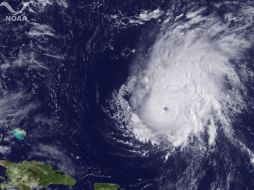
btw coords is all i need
(165, 108)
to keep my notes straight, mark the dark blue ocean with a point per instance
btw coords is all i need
(57, 86)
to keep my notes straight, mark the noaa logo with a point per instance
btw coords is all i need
(16, 15)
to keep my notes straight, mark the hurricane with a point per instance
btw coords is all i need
(127, 95)
(193, 82)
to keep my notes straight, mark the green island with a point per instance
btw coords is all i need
(106, 186)
(28, 175)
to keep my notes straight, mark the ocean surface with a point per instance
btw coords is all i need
(148, 94)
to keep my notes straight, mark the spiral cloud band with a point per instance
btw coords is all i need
(191, 84)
